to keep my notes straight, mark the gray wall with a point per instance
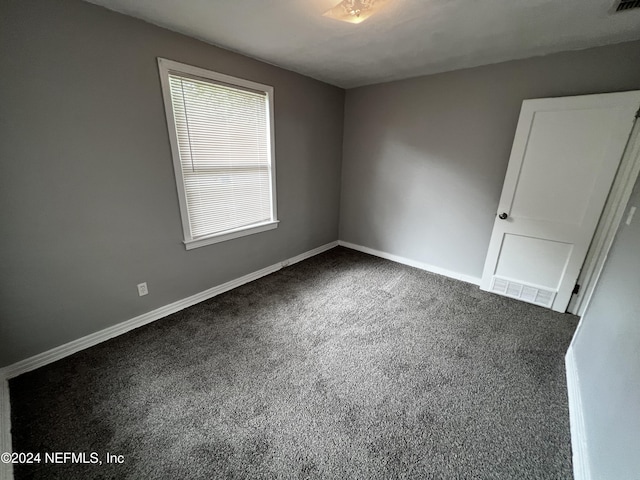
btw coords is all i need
(424, 159)
(88, 202)
(607, 354)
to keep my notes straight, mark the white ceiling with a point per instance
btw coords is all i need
(406, 39)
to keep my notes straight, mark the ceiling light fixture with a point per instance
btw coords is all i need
(355, 11)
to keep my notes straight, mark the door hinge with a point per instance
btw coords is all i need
(576, 289)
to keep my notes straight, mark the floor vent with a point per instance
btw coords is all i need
(624, 5)
(526, 293)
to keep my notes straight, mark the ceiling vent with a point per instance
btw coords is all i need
(627, 5)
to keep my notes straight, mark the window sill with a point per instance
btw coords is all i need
(230, 234)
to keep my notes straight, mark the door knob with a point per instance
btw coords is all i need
(503, 216)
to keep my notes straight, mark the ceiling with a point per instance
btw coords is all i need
(405, 39)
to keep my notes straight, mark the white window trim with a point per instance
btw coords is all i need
(164, 67)
(230, 234)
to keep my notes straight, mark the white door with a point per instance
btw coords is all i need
(564, 157)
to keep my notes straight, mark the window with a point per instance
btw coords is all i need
(221, 132)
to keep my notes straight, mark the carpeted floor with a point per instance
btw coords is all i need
(344, 366)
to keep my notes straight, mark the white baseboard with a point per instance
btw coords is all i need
(74, 346)
(58, 353)
(309, 254)
(412, 263)
(581, 469)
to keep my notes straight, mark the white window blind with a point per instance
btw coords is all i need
(223, 140)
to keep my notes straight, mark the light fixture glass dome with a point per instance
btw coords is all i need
(355, 11)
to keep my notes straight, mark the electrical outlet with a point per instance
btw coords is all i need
(142, 289)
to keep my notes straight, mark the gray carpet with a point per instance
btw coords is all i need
(342, 366)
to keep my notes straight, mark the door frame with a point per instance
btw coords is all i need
(612, 214)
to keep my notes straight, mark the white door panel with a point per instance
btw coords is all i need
(519, 260)
(557, 152)
(564, 157)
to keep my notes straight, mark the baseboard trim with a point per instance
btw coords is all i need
(309, 254)
(58, 353)
(581, 469)
(412, 263)
(74, 346)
